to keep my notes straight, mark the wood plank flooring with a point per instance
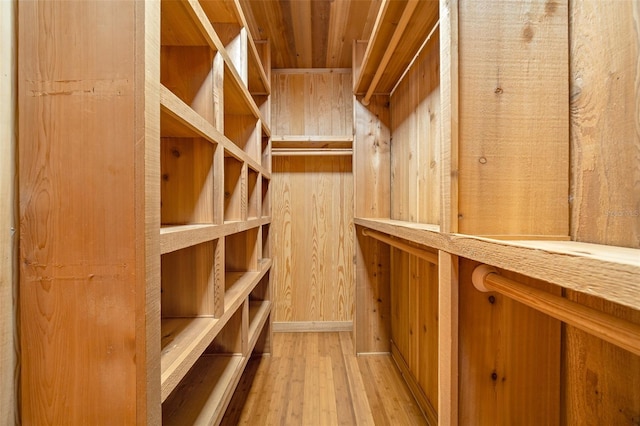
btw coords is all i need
(315, 379)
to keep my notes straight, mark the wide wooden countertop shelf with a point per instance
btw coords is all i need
(609, 272)
(177, 237)
(185, 339)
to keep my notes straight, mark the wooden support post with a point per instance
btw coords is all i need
(447, 339)
(8, 236)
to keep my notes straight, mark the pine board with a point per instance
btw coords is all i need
(513, 118)
(313, 228)
(416, 143)
(509, 357)
(8, 277)
(605, 118)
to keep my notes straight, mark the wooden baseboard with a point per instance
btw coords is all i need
(311, 326)
(427, 409)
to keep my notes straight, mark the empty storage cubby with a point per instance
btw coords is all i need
(253, 194)
(266, 247)
(241, 254)
(224, 17)
(189, 281)
(259, 309)
(266, 152)
(186, 181)
(234, 189)
(266, 197)
(201, 396)
(186, 59)
(241, 125)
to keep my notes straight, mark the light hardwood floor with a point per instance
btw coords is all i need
(315, 379)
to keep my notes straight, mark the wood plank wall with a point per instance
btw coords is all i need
(372, 150)
(416, 142)
(415, 197)
(513, 150)
(8, 239)
(311, 102)
(312, 224)
(601, 382)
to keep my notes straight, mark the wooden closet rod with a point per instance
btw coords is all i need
(607, 327)
(421, 253)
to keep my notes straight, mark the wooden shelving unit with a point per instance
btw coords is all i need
(455, 176)
(216, 161)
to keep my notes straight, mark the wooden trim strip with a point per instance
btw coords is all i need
(414, 387)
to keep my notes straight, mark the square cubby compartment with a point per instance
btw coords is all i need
(189, 280)
(253, 194)
(187, 71)
(234, 190)
(186, 170)
(266, 246)
(266, 153)
(266, 198)
(241, 252)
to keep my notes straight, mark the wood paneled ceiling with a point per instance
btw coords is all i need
(311, 33)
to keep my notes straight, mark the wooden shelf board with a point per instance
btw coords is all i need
(177, 28)
(183, 340)
(198, 333)
(222, 11)
(243, 102)
(177, 237)
(258, 314)
(202, 397)
(259, 83)
(608, 272)
(243, 283)
(422, 21)
(199, 16)
(185, 122)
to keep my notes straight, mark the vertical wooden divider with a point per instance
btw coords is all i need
(218, 183)
(449, 115)
(218, 280)
(244, 192)
(245, 329)
(9, 336)
(447, 339)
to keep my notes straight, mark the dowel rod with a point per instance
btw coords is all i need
(421, 253)
(393, 44)
(607, 327)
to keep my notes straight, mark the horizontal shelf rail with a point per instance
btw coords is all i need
(421, 253)
(607, 327)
